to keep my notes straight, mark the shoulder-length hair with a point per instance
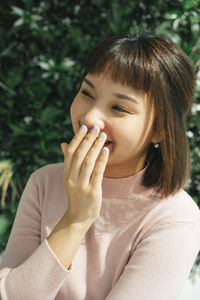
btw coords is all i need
(154, 65)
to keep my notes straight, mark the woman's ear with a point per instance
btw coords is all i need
(156, 137)
(155, 140)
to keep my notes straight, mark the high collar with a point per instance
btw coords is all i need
(123, 187)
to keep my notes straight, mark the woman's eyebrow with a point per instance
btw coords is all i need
(89, 83)
(116, 95)
(126, 97)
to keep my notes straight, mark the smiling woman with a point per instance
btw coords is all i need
(113, 221)
(155, 67)
(123, 113)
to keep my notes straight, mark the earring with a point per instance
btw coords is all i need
(156, 145)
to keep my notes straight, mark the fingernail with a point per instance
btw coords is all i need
(105, 150)
(83, 127)
(100, 123)
(64, 146)
(94, 128)
(102, 135)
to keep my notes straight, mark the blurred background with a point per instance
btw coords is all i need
(43, 48)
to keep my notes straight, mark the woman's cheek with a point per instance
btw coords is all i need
(73, 107)
(75, 111)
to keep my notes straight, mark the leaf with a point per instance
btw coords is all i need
(19, 22)
(188, 4)
(36, 18)
(51, 135)
(14, 77)
(4, 224)
(17, 11)
(67, 62)
(44, 65)
(3, 86)
(172, 15)
(2, 178)
(17, 130)
(49, 114)
(8, 50)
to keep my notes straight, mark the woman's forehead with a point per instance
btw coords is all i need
(103, 77)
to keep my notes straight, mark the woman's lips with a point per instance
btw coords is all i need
(109, 145)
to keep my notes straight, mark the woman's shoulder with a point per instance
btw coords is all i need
(49, 170)
(49, 184)
(176, 208)
(48, 176)
(184, 204)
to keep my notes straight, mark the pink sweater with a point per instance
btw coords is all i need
(139, 248)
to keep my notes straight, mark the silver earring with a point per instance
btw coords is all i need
(156, 145)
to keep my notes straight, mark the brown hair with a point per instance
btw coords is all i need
(154, 65)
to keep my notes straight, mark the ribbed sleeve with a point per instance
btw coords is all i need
(160, 266)
(39, 277)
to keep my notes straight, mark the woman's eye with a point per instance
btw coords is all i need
(85, 93)
(119, 109)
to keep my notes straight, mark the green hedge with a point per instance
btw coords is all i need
(43, 46)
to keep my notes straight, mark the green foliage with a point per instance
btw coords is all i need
(43, 47)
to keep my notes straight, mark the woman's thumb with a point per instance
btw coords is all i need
(64, 147)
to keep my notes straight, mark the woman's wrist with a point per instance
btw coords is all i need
(77, 224)
(66, 238)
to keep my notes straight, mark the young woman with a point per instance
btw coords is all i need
(113, 221)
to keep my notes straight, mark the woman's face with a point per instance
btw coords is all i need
(123, 114)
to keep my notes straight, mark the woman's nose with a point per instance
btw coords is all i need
(91, 119)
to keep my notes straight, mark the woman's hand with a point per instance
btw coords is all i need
(84, 164)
